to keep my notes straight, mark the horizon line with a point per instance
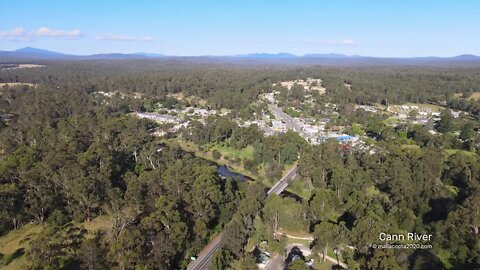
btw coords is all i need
(242, 54)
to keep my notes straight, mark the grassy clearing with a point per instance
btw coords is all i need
(18, 263)
(190, 99)
(21, 66)
(319, 264)
(333, 255)
(246, 153)
(14, 244)
(298, 241)
(425, 106)
(300, 234)
(191, 147)
(19, 238)
(103, 222)
(13, 84)
(396, 108)
(300, 188)
(410, 146)
(450, 152)
(474, 96)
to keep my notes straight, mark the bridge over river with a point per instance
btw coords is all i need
(203, 259)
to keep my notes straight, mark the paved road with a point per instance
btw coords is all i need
(206, 254)
(277, 263)
(281, 185)
(289, 121)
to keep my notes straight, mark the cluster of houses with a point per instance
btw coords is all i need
(136, 95)
(423, 114)
(178, 118)
(367, 108)
(313, 131)
(275, 121)
(176, 122)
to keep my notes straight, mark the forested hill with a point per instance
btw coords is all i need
(285, 59)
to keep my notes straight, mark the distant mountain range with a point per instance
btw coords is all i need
(29, 53)
(40, 54)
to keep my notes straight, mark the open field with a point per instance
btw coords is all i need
(191, 99)
(14, 244)
(295, 234)
(450, 152)
(28, 66)
(13, 84)
(410, 146)
(309, 84)
(103, 222)
(16, 239)
(321, 265)
(474, 96)
(246, 153)
(22, 66)
(425, 106)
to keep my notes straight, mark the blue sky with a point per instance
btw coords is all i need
(395, 28)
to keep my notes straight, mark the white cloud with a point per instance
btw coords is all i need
(18, 33)
(47, 32)
(22, 34)
(115, 37)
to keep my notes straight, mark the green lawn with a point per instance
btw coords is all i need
(298, 241)
(410, 146)
(300, 188)
(295, 233)
(16, 239)
(246, 153)
(14, 244)
(319, 264)
(454, 151)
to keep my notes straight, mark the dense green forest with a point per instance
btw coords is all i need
(68, 157)
(240, 85)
